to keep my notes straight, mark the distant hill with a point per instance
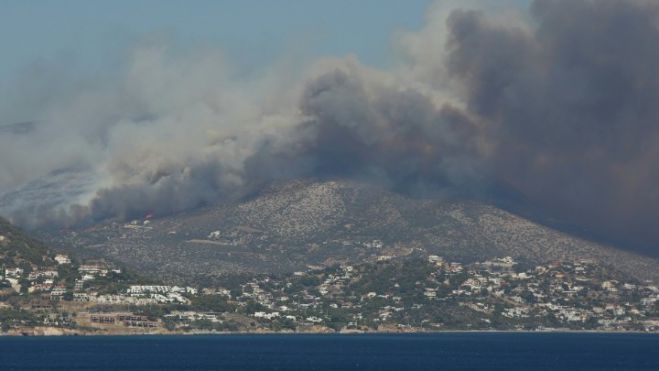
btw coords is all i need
(301, 224)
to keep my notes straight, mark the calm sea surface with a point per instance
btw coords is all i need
(449, 351)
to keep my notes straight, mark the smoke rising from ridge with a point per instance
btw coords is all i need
(571, 104)
(558, 104)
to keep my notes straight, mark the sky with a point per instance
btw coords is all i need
(252, 33)
(92, 34)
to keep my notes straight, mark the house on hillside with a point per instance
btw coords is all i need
(62, 259)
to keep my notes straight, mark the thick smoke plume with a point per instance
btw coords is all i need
(557, 103)
(571, 103)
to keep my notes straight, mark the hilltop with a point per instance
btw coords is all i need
(305, 224)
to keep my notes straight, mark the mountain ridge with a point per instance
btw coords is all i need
(292, 225)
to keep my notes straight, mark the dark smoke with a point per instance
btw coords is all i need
(572, 106)
(391, 136)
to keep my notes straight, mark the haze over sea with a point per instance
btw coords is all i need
(446, 351)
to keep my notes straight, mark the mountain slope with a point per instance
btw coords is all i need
(17, 248)
(291, 226)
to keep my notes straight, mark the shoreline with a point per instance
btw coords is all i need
(57, 332)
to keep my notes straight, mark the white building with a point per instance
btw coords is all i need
(62, 259)
(13, 272)
(94, 269)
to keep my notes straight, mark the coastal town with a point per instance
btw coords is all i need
(391, 294)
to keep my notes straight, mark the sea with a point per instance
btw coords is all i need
(443, 351)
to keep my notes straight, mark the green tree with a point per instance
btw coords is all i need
(214, 303)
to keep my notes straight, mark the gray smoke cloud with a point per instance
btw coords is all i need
(557, 103)
(570, 102)
(394, 136)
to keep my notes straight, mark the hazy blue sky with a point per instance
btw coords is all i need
(252, 32)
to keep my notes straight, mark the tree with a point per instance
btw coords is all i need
(253, 307)
(215, 303)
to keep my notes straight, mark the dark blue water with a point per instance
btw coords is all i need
(449, 351)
